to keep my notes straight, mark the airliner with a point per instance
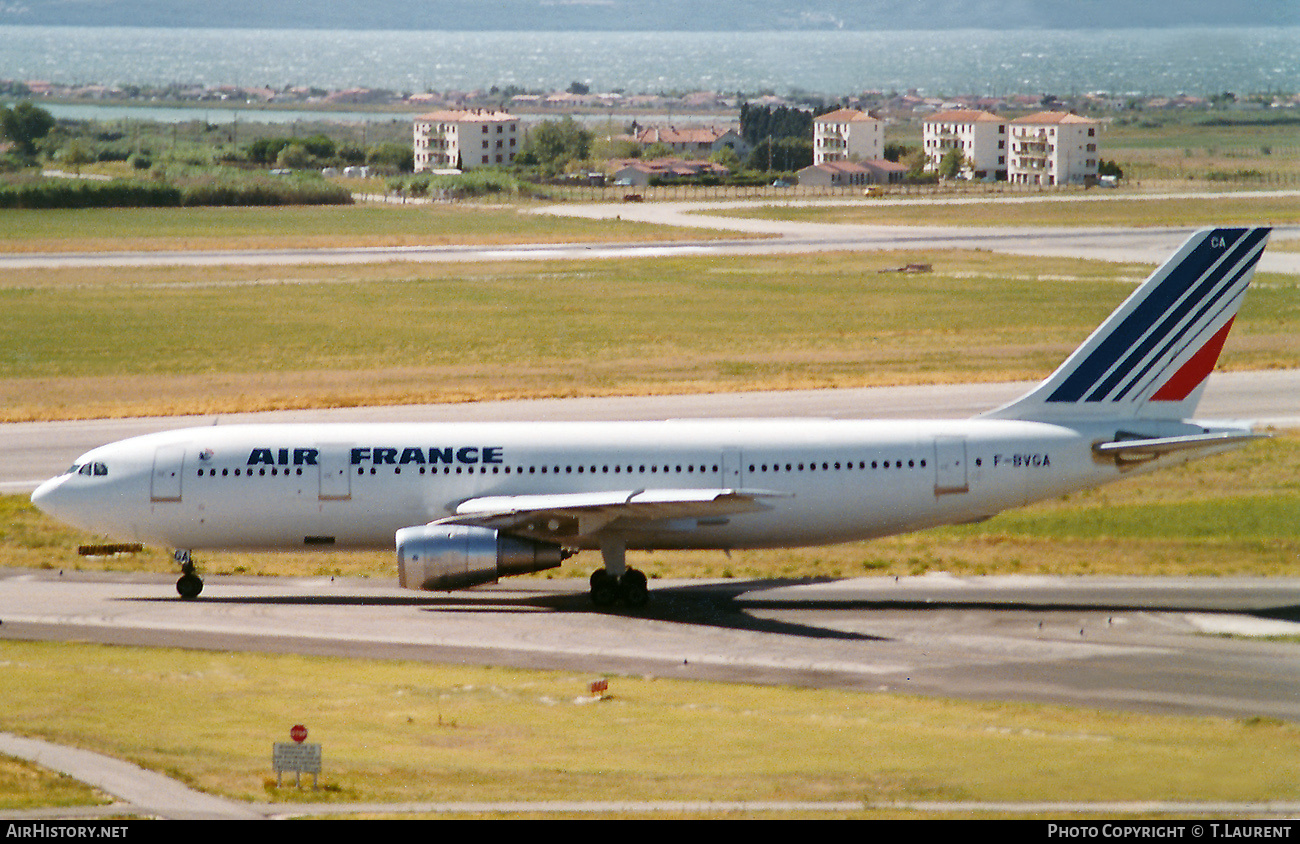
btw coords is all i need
(468, 504)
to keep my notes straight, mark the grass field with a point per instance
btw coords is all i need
(180, 340)
(402, 731)
(1197, 148)
(305, 227)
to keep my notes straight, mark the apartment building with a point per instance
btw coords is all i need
(847, 135)
(1052, 148)
(979, 136)
(466, 139)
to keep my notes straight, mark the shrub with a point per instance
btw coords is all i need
(209, 189)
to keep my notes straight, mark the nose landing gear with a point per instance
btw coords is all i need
(190, 584)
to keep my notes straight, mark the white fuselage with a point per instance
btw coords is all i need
(353, 486)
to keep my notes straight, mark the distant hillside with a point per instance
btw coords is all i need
(662, 15)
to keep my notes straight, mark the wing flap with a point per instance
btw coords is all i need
(574, 516)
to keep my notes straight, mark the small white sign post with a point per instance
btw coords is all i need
(297, 756)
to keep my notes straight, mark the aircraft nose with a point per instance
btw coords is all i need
(61, 500)
(46, 498)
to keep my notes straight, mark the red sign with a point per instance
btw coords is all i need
(298, 733)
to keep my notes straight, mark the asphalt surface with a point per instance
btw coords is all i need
(1120, 643)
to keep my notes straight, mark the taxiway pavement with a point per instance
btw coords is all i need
(1118, 643)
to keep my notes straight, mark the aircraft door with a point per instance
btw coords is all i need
(168, 468)
(950, 474)
(335, 473)
(732, 472)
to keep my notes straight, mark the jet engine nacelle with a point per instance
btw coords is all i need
(445, 557)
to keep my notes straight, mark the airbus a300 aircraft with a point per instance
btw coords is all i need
(467, 503)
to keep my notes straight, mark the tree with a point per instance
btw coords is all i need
(916, 162)
(25, 124)
(759, 123)
(75, 155)
(783, 155)
(950, 166)
(727, 157)
(293, 157)
(391, 157)
(554, 144)
(1109, 168)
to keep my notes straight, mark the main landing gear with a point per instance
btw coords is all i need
(616, 581)
(190, 584)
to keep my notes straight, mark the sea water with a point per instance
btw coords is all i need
(1191, 60)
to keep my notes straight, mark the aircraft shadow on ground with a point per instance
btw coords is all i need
(731, 605)
(711, 605)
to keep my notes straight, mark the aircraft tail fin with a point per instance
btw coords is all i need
(1150, 359)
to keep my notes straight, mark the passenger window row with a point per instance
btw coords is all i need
(643, 469)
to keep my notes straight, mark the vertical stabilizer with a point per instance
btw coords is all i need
(1150, 359)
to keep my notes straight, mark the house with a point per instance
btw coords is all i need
(692, 141)
(466, 139)
(1053, 148)
(852, 173)
(979, 136)
(847, 134)
(634, 171)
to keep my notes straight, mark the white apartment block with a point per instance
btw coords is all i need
(979, 136)
(466, 139)
(847, 135)
(1053, 148)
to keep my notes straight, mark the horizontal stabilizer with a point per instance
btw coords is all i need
(1136, 450)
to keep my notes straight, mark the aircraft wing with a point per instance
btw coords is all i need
(1149, 448)
(568, 517)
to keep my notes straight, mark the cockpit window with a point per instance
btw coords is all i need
(92, 468)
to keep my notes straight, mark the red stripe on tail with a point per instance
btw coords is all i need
(1196, 370)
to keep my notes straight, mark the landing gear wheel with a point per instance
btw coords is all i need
(633, 587)
(604, 588)
(190, 584)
